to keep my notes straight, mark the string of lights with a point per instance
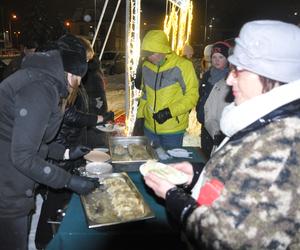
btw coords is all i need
(177, 25)
(132, 59)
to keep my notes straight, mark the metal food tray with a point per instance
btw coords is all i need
(99, 210)
(125, 141)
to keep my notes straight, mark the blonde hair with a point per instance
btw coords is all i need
(187, 51)
(88, 47)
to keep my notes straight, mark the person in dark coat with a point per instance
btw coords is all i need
(94, 84)
(31, 111)
(73, 132)
(28, 47)
(218, 71)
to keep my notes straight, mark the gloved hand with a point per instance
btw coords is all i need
(77, 152)
(108, 116)
(82, 184)
(162, 115)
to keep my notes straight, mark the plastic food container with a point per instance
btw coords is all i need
(94, 169)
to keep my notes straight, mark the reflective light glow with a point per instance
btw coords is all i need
(178, 23)
(180, 3)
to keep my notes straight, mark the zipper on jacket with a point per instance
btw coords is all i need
(154, 105)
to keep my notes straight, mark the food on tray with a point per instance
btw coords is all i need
(164, 171)
(124, 200)
(138, 151)
(116, 201)
(120, 150)
(98, 207)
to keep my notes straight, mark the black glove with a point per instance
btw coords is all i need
(82, 184)
(108, 116)
(162, 115)
(78, 151)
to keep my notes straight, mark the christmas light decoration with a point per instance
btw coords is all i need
(177, 25)
(132, 59)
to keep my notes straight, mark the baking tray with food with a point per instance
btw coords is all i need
(116, 201)
(131, 149)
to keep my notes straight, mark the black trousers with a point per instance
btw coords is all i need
(14, 233)
(53, 201)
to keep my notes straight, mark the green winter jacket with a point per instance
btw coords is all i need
(172, 85)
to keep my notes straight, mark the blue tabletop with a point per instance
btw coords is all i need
(154, 233)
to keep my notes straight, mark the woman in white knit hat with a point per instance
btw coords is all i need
(247, 196)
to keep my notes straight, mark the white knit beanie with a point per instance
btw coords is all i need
(269, 48)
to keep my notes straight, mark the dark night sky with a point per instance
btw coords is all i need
(229, 14)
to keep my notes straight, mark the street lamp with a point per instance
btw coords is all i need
(68, 25)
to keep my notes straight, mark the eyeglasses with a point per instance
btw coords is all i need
(234, 70)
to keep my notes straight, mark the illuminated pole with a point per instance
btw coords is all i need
(133, 9)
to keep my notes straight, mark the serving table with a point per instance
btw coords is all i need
(155, 233)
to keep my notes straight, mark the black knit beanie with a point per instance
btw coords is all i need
(73, 54)
(220, 47)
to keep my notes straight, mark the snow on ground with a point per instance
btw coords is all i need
(115, 93)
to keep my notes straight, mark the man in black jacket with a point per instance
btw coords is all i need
(30, 116)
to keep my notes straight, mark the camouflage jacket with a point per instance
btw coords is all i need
(259, 206)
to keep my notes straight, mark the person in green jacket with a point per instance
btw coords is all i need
(169, 91)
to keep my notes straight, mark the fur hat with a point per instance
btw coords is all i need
(269, 48)
(73, 54)
(220, 47)
(207, 52)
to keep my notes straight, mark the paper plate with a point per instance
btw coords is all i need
(107, 127)
(164, 171)
(105, 150)
(97, 156)
(98, 168)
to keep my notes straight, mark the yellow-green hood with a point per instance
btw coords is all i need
(156, 41)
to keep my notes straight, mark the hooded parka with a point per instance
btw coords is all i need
(173, 85)
(30, 116)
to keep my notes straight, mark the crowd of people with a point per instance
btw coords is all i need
(247, 194)
(246, 96)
